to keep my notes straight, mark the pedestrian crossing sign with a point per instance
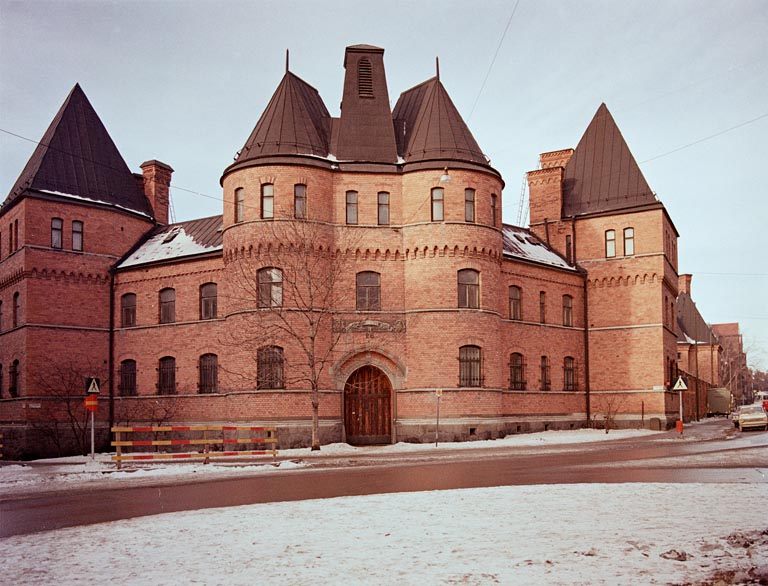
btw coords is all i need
(92, 386)
(680, 385)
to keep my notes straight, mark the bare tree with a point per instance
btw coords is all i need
(609, 407)
(286, 288)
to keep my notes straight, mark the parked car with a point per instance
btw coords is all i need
(753, 416)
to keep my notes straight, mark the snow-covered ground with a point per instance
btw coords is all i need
(528, 535)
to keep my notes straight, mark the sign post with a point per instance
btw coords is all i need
(92, 405)
(438, 394)
(680, 386)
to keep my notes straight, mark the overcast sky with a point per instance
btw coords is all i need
(186, 81)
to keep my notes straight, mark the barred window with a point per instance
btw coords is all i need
(470, 366)
(167, 306)
(546, 382)
(270, 366)
(351, 207)
(469, 205)
(267, 201)
(516, 372)
(383, 211)
(128, 310)
(209, 373)
(368, 291)
(270, 287)
(127, 386)
(166, 376)
(438, 196)
(569, 374)
(300, 201)
(57, 232)
(515, 303)
(567, 310)
(77, 235)
(208, 301)
(469, 288)
(13, 379)
(542, 307)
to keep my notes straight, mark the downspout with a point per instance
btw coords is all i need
(587, 395)
(111, 361)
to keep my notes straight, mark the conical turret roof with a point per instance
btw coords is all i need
(77, 158)
(296, 122)
(602, 175)
(428, 126)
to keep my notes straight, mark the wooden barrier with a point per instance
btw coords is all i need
(269, 438)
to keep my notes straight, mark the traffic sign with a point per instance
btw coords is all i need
(680, 385)
(92, 386)
(92, 403)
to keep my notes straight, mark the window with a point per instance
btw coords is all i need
(493, 209)
(57, 228)
(13, 379)
(10, 238)
(269, 374)
(16, 310)
(469, 288)
(516, 372)
(208, 301)
(470, 371)
(437, 204)
(469, 205)
(77, 235)
(567, 310)
(629, 241)
(239, 205)
(127, 378)
(128, 310)
(267, 201)
(166, 376)
(568, 249)
(1, 320)
(368, 291)
(1, 380)
(300, 201)
(569, 374)
(383, 208)
(515, 303)
(546, 383)
(167, 306)
(209, 373)
(542, 307)
(15, 234)
(610, 243)
(364, 78)
(270, 287)
(352, 207)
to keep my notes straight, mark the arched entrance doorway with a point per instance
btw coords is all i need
(368, 407)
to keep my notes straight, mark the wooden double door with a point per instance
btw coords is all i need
(368, 407)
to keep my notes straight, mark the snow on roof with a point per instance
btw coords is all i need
(101, 201)
(521, 243)
(179, 241)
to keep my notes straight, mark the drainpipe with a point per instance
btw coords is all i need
(111, 361)
(587, 395)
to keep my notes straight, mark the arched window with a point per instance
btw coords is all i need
(77, 235)
(300, 201)
(128, 310)
(16, 310)
(239, 205)
(13, 379)
(469, 205)
(629, 241)
(438, 195)
(383, 210)
(515, 303)
(542, 307)
(493, 209)
(516, 372)
(208, 301)
(368, 291)
(567, 310)
(267, 201)
(569, 373)
(270, 366)
(127, 386)
(546, 382)
(469, 288)
(352, 207)
(610, 243)
(209, 373)
(166, 376)
(470, 366)
(167, 306)
(1, 380)
(1, 319)
(270, 287)
(57, 232)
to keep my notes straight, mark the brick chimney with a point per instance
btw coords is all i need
(684, 284)
(157, 183)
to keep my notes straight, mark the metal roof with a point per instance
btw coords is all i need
(76, 158)
(523, 244)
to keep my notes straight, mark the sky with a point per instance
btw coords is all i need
(596, 534)
(185, 82)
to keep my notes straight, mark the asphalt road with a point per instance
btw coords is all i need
(721, 454)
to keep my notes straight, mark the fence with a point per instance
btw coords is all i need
(268, 437)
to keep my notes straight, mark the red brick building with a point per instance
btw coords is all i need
(360, 262)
